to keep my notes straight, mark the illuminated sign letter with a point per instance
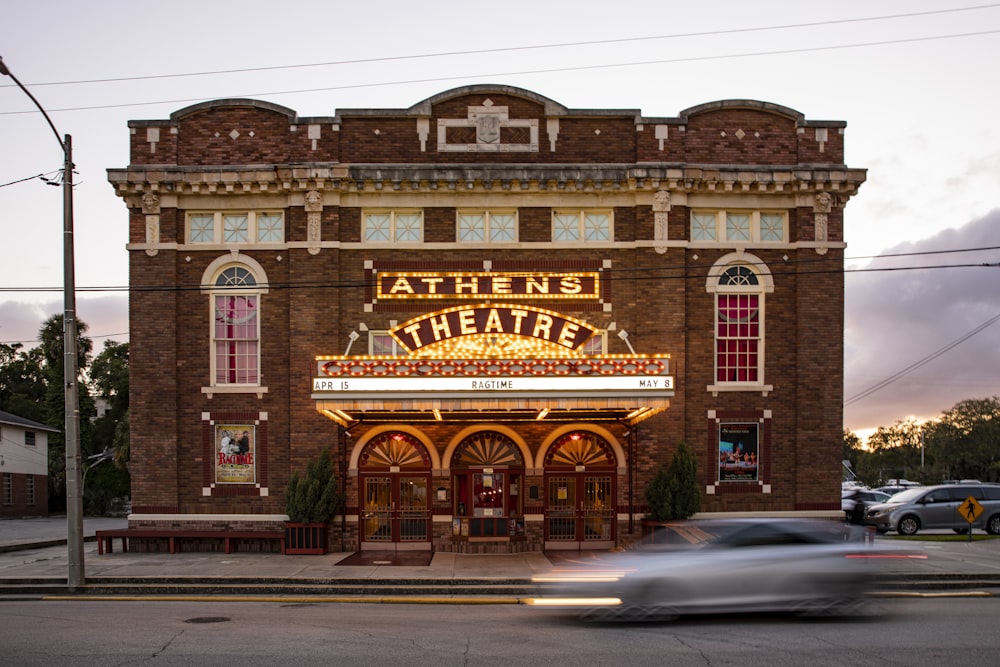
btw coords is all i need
(467, 322)
(568, 336)
(543, 327)
(570, 285)
(537, 285)
(518, 316)
(471, 285)
(414, 332)
(439, 325)
(493, 322)
(432, 284)
(401, 285)
(501, 285)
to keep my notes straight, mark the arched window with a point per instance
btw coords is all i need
(235, 327)
(739, 283)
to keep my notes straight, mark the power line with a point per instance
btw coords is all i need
(621, 275)
(922, 362)
(556, 70)
(509, 49)
(44, 177)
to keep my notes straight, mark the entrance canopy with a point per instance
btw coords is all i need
(624, 388)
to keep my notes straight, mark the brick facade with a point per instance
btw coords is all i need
(244, 155)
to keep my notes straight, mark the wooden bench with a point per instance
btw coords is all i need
(105, 538)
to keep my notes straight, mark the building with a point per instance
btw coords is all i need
(24, 466)
(501, 315)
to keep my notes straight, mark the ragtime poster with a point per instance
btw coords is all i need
(235, 449)
(738, 452)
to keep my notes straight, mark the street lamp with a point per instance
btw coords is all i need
(74, 495)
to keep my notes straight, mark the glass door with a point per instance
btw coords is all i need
(561, 513)
(377, 512)
(396, 509)
(580, 510)
(413, 515)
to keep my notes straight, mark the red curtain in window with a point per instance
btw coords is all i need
(737, 338)
(236, 340)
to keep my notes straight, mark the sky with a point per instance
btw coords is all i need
(910, 78)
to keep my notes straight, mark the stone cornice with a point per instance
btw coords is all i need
(778, 179)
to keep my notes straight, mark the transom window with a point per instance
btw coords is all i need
(586, 226)
(739, 226)
(236, 227)
(483, 226)
(393, 226)
(236, 328)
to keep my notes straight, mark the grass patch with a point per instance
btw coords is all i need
(941, 538)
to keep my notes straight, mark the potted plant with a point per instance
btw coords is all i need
(673, 493)
(310, 504)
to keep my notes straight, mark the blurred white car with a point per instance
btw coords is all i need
(793, 565)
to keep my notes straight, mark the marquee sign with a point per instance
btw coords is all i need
(492, 319)
(585, 285)
(401, 376)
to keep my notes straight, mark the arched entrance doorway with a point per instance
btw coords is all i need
(580, 498)
(394, 477)
(487, 478)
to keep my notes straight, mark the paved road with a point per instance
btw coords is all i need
(36, 550)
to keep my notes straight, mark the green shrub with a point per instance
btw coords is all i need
(673, 492)
(317, 497)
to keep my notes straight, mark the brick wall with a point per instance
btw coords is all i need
(315, 299)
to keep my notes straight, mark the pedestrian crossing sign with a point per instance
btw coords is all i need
(970, 509)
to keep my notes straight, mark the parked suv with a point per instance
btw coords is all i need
(936, 507)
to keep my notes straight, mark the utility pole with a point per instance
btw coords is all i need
(74, 487)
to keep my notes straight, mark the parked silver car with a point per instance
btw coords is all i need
(941, 506)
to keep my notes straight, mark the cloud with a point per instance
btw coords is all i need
(924, 309)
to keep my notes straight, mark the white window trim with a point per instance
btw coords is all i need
(209, 288)
(218, 233)
(212, 338)
(721, 218)
(488, 215)
(765, 285)
(392, 213)
(581, 215)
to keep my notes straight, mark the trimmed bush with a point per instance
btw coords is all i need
(673, 492)
(317, 497)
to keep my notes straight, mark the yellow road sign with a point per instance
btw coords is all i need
(970, 509)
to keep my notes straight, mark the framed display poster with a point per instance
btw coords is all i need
(235, 448)
(738, 450)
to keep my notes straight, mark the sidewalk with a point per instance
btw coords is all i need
(34, 556)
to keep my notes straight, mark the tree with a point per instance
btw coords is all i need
(896, 449)
(109, 381)
(864, 463)
(51, 350)
(965, 441)
(32, 385)
(23, 382)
